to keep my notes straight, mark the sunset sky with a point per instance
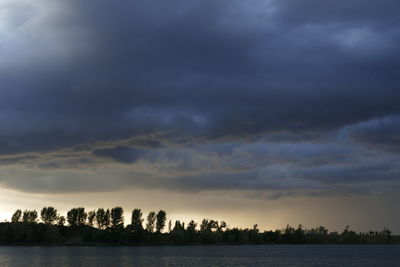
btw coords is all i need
(272, 112)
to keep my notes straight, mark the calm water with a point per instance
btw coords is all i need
(273, 255)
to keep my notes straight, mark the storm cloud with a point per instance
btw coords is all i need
(200, 95)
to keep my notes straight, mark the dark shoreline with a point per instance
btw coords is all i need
(193, 245)
(39, 234)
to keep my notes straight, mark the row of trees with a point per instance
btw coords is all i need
(101, 218)
(106, 226)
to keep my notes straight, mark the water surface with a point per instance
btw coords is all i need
(245, 255)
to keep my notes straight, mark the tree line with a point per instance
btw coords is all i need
(107, 226)
(101, 218)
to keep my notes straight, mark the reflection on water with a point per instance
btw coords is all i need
(262, 255)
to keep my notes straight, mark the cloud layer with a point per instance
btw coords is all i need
(288, 97)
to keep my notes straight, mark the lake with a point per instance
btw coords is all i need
(244, 255)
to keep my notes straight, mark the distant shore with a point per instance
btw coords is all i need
(105, 227)
(40, 234)
(190, 244)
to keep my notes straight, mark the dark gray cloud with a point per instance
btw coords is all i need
(381, 133)
(183, 82)
(354, 11)
(15, 159)
(210, 68)
(272, 169)
(121, 153)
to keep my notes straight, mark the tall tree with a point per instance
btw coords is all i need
(136, 220)
(204, 226)
(179, 226)
(151, 221)
(29, 216)
(48, 215)
(91, 217)
(191, 230)
(103, 218)
(107, 218)
(192, 226)
(100, 214)
(17, 216)
(161, 219)
(117, 217)
(76, 216)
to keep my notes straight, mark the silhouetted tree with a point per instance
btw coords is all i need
(299, 235)
(91, 217)
(213, 225)
(29, 216)
(48, 215)
(61, 220)
(204, 226)
(179, 226)
(151, 221)
(76, 216)
(17, 216)
(169, 226)
(161, 218)
(348, 236)
(191, 231)
(222, 226)
(103, 218)
(178, 233)
(208, 225)
(386, 233)
(136, 220)
(191, 226)
(117, 217)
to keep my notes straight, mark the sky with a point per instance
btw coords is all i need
(267, 112)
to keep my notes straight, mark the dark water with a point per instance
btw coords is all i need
(269, 255)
